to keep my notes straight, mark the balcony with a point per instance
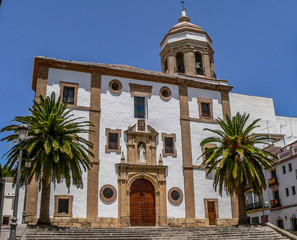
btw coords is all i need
(275, 203)
(272, 182)
(251, 206)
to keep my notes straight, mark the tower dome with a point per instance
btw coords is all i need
(187, 49)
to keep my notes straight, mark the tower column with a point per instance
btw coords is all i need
(171, 61)
(189, 61)
(206, 64)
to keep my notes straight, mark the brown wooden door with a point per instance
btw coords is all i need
(211, 213)
(142, 204)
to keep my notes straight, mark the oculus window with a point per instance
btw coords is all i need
(108, 193)
(175, 196)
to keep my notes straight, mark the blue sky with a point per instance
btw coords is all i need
(255, 42)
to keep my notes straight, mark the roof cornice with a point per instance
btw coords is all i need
(129, 72)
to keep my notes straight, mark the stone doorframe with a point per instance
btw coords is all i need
(156, 175)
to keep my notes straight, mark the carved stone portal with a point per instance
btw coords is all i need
(141, 146)
(141, 164)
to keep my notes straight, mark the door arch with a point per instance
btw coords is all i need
(142, 203)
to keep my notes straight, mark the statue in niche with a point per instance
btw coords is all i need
(141, 154)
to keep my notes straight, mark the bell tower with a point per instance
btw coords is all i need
(187, 49)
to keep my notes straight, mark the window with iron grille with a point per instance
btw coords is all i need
(169, 145)
(5, 221)
(63, 206)
(68, 95)
(139, 107)
(205, 107)
(113, 140)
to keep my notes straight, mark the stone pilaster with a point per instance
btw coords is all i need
(189, 61)
(187, 152)
(33, 187)
(206, 64)
(171, 61)
(93, 173)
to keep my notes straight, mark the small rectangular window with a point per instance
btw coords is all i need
(113, 137)
(5, 221)
(63, 206)
(276, 195)
(207, 155)
(293, 190)
(205, 107)
(287, 192)
(255, 220)
(169, 145)
(273, 173)
(113, 140)
(139, 107)
(284, 169)
(290, 167)
(280, 224)
(68, 95)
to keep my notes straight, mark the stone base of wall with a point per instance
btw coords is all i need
(115, 223)
(200, 222)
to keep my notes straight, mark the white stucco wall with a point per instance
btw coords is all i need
(8, 198)
(195, 93)
(185, 35)
(79, 207)
(204, 189)
(162, 115)
(55, 76)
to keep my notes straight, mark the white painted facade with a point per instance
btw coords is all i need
(164, 116)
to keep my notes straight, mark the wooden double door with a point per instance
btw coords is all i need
(142, 203)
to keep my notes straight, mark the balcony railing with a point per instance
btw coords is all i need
(251, 206)
(272, 181)
(275, 203)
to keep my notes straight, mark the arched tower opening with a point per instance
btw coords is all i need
(180, 66)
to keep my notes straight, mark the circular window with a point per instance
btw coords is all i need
(115, 86)
(108, 193)
(165, 93)
(175, 196)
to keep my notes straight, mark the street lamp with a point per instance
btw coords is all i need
(27, 159)
(23, 133)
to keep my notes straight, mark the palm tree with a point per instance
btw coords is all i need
(57, 150)
(237, 159)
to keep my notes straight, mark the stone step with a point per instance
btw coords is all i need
(231, 233)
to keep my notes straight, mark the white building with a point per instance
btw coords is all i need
(149, 126)
(8, 202)
(280, 196)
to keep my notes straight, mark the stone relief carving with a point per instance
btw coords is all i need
(141, 154)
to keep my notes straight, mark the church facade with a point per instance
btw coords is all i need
(148, 129)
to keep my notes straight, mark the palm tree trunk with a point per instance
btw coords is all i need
(44, 205)
(243, 219)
